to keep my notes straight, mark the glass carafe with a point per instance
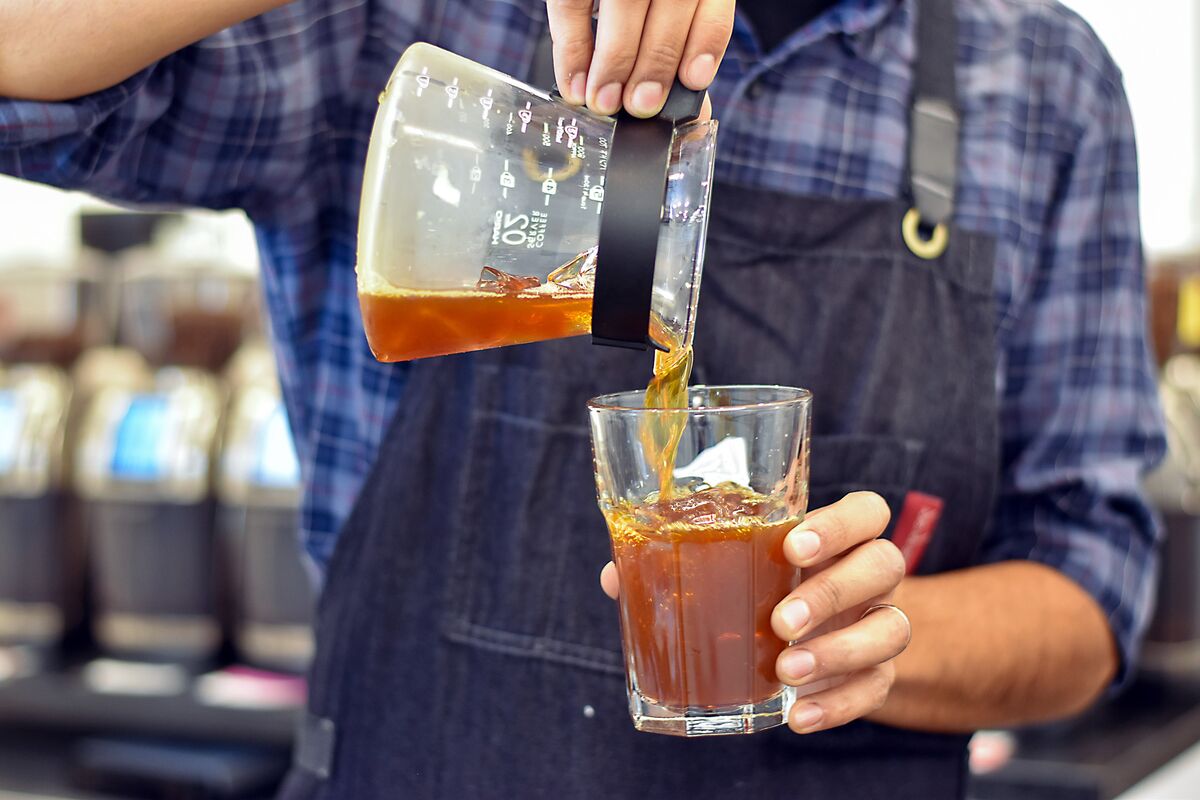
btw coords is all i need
(481, 213)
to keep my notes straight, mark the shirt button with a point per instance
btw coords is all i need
(754, 90)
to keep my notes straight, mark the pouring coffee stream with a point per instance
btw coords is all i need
(661, 433)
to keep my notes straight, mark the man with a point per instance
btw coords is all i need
(926, 213)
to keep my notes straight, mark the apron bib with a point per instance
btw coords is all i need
(464, 648)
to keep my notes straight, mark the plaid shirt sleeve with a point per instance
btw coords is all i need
(126, 143)
(1079, 414)
(229, 122)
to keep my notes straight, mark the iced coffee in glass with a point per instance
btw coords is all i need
(699, 495)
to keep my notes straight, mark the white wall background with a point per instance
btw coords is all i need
(39, 225)
(1156, 43)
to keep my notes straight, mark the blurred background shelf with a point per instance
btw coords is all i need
(64, 701)
(155, 610)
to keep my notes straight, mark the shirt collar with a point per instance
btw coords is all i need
(849, 19)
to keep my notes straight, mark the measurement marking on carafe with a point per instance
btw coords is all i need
(526, 115)
(592, 192)
(422, 81)
(486, 102)
(549, 186)
(476, 175)
(558, 132)
(451, 93)
(507, 180)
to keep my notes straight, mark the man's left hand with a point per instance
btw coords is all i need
(842, 660)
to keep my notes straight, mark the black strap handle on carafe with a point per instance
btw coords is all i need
(634, 186)
(631, 220)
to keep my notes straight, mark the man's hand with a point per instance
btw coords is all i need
(640, 46)
(844, 661)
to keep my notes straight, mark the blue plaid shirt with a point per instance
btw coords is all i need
(273, 117)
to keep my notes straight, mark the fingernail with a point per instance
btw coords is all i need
(797, 664)
(804, 543)
(608, 99)
(795, 615)
(646, 99)
(806, 716)
(702, 70)
(578, 88)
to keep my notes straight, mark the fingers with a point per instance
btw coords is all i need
(858, 517)
(664, 35)
(876, 638)
(571, 32)
(712, 26)
(608, 580)
(640, 47)
(618, 33)
(861, 694)
(869, 571)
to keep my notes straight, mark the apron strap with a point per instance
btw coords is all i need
(933, 132)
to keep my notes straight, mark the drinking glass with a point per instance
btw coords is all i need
(700, 554)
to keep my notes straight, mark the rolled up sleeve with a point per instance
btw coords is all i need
(1080, 422)
(233, 121)
(124, 143)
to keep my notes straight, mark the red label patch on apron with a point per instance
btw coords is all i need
(915, 526)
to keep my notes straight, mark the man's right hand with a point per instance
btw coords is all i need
(639, 48)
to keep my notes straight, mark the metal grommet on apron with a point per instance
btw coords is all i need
(924, 245)
(464, 649)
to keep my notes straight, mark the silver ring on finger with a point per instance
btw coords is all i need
(898, 610)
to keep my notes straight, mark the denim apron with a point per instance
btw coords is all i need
(465, 649)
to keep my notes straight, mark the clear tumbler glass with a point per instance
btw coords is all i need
(700, 555)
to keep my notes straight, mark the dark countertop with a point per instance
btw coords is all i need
(35, 764)
(81, 722)
(1096, 756)
(1104, 752)
(41, 765)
